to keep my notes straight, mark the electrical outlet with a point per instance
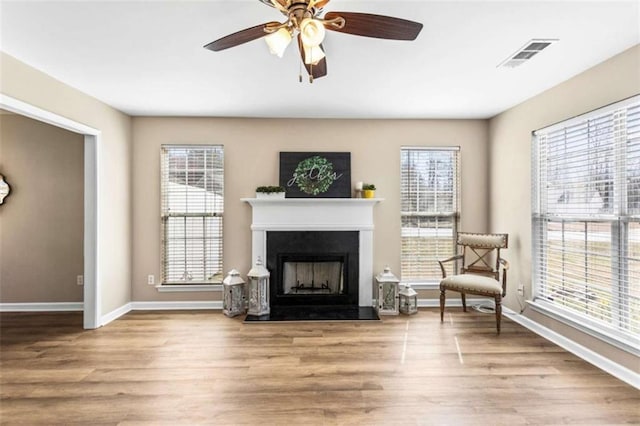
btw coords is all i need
(521, 289)
(80, 280)
(151, 280)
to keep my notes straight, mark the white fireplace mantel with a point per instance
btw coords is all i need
(318, 214)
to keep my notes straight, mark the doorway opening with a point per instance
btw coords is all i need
(91, 298)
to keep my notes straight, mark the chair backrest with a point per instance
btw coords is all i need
(481, 252)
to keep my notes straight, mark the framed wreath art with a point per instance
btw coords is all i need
(316, 174)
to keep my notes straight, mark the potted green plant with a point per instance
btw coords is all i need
(270, 192)
(368, 190)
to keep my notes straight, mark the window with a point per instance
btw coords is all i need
(586, 220)
(192, 213)
(430, 209)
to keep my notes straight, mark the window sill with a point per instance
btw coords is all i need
(423, 285)
(581, 324)
(178, 288)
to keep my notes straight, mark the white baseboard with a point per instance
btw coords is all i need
(42, 307)
(158, 306)
(115, 314)
(155, 306)
(172, 306)
(605, 364)
(457, 302)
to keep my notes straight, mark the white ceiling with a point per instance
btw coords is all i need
(146, 57)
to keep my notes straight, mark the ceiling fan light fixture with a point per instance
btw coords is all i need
(312, 31)
(313, 54)
(278, 41)
(306, 21)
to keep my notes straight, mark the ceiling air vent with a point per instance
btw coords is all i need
(526, 52)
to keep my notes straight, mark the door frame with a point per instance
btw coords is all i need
(92, 140)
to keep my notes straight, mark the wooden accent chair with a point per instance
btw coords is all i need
(480, 270)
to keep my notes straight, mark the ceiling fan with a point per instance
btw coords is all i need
(304, 19)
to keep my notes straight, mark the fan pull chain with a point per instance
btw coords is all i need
(300, 73)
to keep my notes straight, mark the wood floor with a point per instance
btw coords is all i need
(199, 367)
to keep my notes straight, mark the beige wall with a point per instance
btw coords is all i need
(251, 160)
(495, 171)
(41, 223)
(27, 84)
(510, 169)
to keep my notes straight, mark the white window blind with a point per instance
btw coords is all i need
(192, 214)
(430, 203)
(586, 219)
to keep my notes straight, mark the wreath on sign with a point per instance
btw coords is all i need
(314, 175)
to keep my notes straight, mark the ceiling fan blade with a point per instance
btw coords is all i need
(378, 26)
(281, 5)
(268, 3)
(318, 4)
(239, 37)
(318, 70)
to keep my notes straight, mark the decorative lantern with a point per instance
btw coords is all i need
(387, 292)
(408, 300)
(258, 289)
(233, 299)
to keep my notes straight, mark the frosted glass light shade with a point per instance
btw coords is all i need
(312, 32)
(313, 55)
(278, 41)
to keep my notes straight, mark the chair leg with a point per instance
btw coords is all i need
(464, 301)
(442, 304)
(498, 312)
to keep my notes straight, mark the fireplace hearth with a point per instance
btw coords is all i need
(316, 313)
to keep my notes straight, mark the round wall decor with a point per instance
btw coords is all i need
(5, 189)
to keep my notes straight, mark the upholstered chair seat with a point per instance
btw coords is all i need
(480, 269)
(471, 283)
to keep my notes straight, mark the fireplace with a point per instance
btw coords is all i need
(353, 216)
(318, 268)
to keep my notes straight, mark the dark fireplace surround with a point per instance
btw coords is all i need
(313, 247)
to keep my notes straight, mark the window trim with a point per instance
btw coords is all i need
(624, 103)
(192, 286)
(434, 283)
(587, 324)
(177, 288)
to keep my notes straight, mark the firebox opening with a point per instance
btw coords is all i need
(313, 268)
(317, 277)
